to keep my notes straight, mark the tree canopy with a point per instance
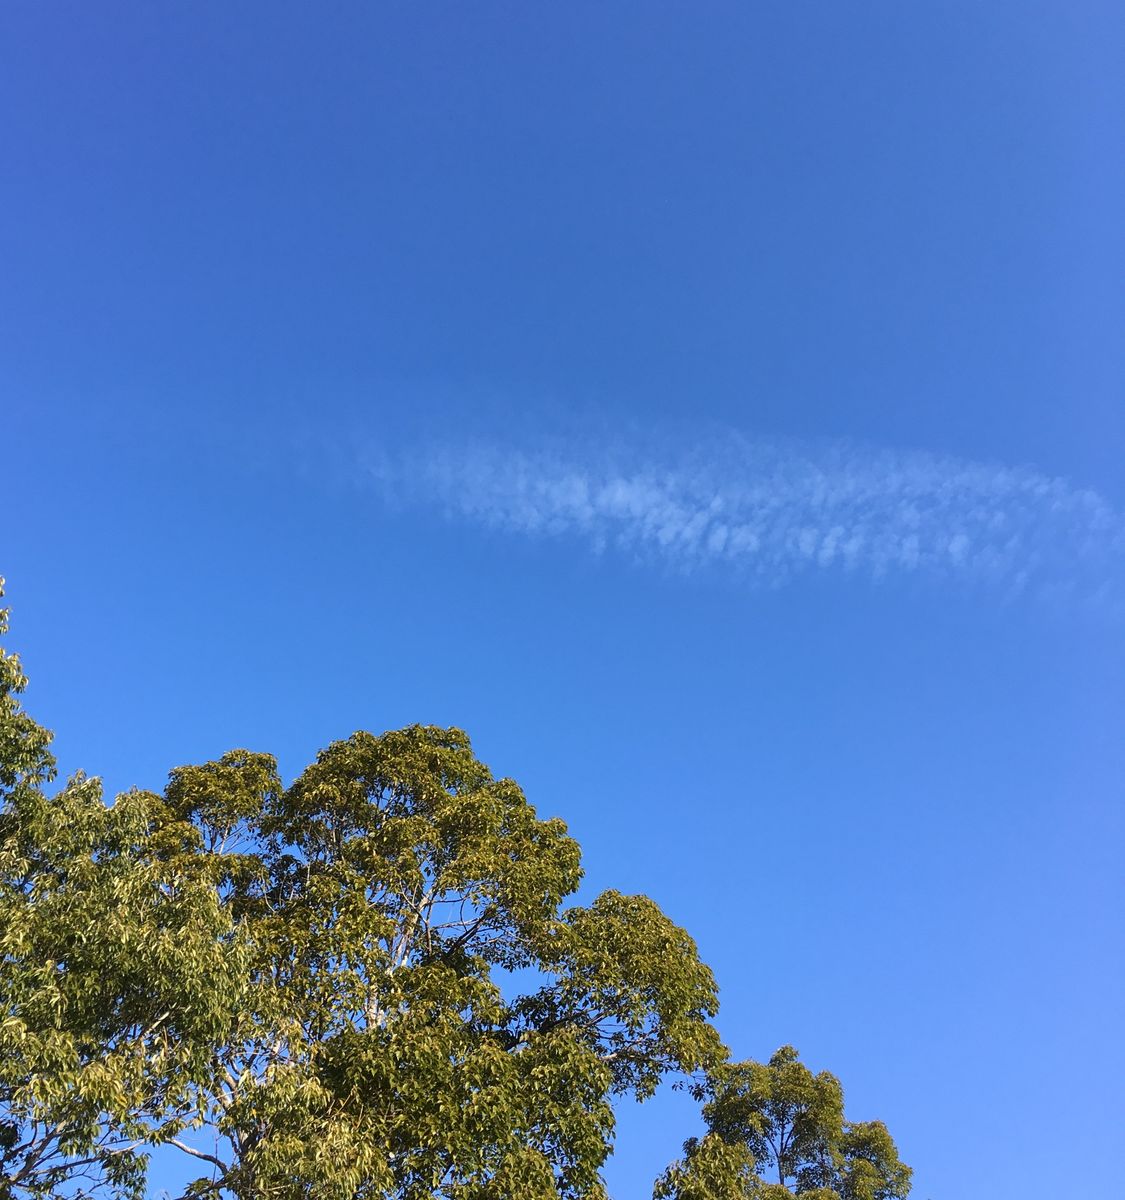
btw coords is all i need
(776, 1130)
(371, 983)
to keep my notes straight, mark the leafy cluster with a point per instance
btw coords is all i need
(776, 1130)
(368, 984)
(390, 901)
(117, 972)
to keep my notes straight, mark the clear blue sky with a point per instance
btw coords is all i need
(717, 409)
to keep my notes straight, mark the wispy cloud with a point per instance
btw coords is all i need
(772, 510)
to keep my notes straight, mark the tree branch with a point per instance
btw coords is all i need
(211, 1158)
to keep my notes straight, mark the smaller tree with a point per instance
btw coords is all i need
(776, 1130)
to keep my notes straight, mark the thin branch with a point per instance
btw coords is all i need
(211, 1158)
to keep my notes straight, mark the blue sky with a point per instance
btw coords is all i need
(716, 409)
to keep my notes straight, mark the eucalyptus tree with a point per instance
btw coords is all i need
(776, 1130)
(424, 1017)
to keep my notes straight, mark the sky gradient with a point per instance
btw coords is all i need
(718, 410)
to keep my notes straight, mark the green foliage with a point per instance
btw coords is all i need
(26, 762)
(711, 1169)
(114, 973)
(778, 1121)
(392, 899)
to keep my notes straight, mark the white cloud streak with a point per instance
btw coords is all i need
(773, 510)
